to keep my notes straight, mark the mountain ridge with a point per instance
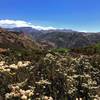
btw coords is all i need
(60, 38)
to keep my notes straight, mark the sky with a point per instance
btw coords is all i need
(80, 15)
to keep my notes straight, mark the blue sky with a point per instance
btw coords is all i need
(82, 15)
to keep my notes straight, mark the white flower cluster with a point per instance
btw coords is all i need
(47, 98)
(41, 82)
(49, 57)
(7, 68)
(97, 97)
(20, 93)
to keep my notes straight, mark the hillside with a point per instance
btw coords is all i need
(49, 75)
(17, 40)
(28, 72)
(61, 38)
(71, 39)
(88, 50)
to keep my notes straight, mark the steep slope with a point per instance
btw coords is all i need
(71, 39)
(17, 40)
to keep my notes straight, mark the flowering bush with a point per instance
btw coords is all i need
(53, 76)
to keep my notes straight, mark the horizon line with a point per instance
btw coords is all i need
(9, 23)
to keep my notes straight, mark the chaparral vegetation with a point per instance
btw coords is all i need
(30, 70)
(49, 75)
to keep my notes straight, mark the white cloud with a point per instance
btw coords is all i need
(19, 23)
(84, 31)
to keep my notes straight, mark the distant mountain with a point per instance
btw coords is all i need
(60, 38)
(26, 30)
(70, 39)
(35, 33)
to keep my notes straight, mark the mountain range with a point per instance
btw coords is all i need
(30, 68)
(60, 38)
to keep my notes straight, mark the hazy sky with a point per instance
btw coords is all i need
(81, 15)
